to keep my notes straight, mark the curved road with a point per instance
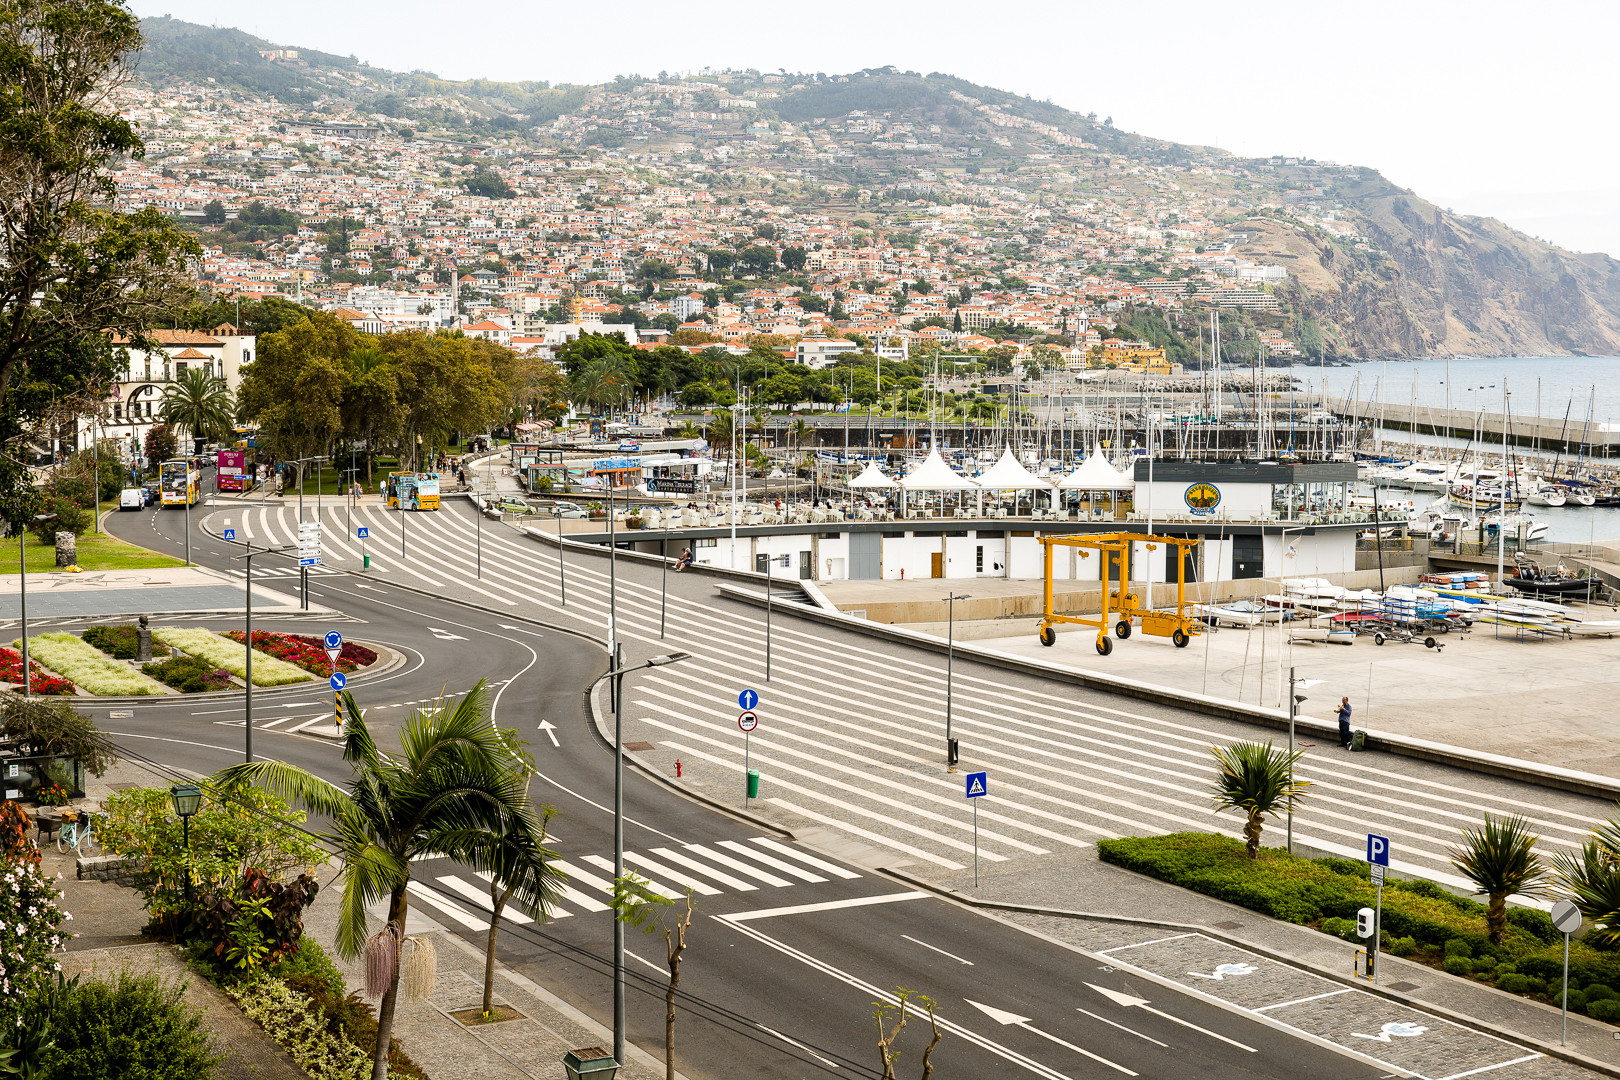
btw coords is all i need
(790, 947)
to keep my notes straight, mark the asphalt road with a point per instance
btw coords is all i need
(789, 949)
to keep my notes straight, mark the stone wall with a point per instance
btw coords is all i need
(113, 868)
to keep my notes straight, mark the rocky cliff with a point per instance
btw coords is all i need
(1424, 282)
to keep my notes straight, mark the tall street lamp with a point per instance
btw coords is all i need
(950, 663)
(22, 568)
(187, 800)
(1294, 700)
(247, 728)
(616, 672)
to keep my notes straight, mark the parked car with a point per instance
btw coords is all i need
(513, 505)
(568, 510)
(131, 499)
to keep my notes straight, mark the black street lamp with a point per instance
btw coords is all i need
(187, 801)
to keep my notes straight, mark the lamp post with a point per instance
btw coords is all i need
(950, 664)
(22, 568)
(1294, 700)
(247, 727)
(616, 673)
(187, 800)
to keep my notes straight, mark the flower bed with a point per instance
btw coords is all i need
(88, 666)
(359, 655)
(39, 681)
(1421, 921)
(189, 674)
(308, 653)
(229, 655)
(119, 642)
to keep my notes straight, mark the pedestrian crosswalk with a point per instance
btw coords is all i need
(852, 730)
(706, 870)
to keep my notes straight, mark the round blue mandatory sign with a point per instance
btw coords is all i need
(748, 700)
(334, 640)
(337, 680)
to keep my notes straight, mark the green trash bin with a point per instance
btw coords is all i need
(590, 1063)
(368, 562)
(753, 783)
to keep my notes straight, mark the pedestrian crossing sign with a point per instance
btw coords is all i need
(230, 534)
(362, 533)
(978, 784)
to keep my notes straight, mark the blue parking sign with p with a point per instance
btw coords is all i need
(1377, 849)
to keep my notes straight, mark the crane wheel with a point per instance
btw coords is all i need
(1104, 645)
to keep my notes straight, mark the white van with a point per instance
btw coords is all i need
(131, 499)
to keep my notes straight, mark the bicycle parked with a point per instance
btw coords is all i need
(79, 834)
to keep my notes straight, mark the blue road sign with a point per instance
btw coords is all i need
(230, 534)
(362, 532)
(1377, 849)
(748, 700)
(334, 640)
(337, 680)
(978, 783)
(315, 561)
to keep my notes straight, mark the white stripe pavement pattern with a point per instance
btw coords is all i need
(853, 731)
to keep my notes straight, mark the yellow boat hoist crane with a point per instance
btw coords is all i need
(1120, 604)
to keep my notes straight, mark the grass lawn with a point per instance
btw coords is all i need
(97, 551)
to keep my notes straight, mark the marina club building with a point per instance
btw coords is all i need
(1256, 520)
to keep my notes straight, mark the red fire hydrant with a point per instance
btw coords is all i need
(677, 768)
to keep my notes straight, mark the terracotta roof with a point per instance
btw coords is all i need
(191, 354)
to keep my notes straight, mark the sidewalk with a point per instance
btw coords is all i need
(177, 590)
(109, 918)
(1083, 883)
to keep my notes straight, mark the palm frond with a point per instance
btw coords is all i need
(290, 782)
(1592, 878)
(1500, 857)
(1256, 778)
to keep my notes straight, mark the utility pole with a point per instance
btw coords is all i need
(950, 664)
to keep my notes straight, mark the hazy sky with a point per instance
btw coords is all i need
(1485, 107)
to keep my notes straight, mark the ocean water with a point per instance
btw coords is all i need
(1540, 386)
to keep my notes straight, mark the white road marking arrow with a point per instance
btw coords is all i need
(550, 729)
(1404, 1030)
(1128, 1001)
(1005, 1018)
(444, 635)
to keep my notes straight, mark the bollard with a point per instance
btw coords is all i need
(753, 783)
(677, 768)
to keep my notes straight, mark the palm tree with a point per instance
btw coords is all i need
(456, 787)
(1500, 859)
(1593, 881)
(1259, 780)
(199, 402)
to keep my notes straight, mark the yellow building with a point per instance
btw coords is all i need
(1133, 356)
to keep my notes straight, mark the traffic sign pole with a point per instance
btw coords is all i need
(1378, 864)
(978, 783)
(1566, 919)
(748, 720)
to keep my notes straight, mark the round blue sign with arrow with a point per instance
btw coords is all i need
(337, 680)
(334, 640)
(748, 700)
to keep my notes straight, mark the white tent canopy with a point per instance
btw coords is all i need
(1009, 474)
(934, 475)
(872, 477)
(1095, 474)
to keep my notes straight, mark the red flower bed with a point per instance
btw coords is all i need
(358, 654)
(307, 652)
(11, 671)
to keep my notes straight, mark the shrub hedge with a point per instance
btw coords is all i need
(134, 1027)
(1426, 922)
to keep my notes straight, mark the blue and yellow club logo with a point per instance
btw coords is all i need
(1202, 498)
